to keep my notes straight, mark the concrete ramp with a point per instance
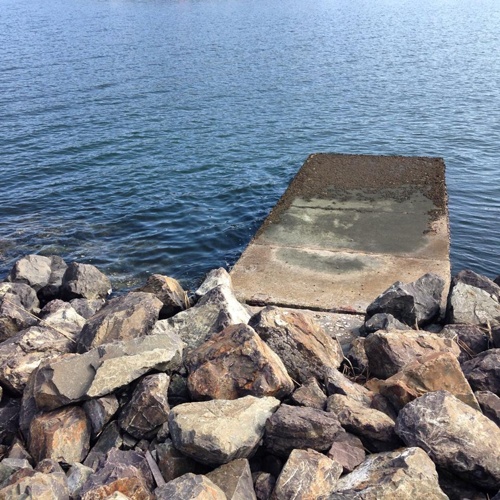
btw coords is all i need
(347, 227)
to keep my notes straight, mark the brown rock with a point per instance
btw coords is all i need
(37, 486)
(192, 486)
(169, 291)
(296, 427)
(235, 363)
(62, 435)
(122, 318)
(307, 474)
(348, 451)
(483, 372)
(234, 479)
(490, 405)
(357, 356)
(304, 347)
(336, 383)
(428, 373)
(388, 352)
(310, 394)
(84, 281)
(172, 463)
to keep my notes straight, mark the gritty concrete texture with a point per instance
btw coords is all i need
(347, 227)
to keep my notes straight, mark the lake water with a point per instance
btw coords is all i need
(155, 135)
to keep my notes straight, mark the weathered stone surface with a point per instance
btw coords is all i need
(236, 363)
(24, 293)
(104, 369)
(347, 450)
(76, 477)
(10, 465)
(9, 419)
(14, 317)
(310, 394)
(374, 428)
(304, 347)
(416, 303)
(388, 352)
(490, 405)
(37, 486)
(33, 270)
(100, 411)
(216, 310)
(214, 278)
(178, 391)
(126, 472)
(471, 278)
(109, 439)
(428, 373)
(306, 474)
(48, 466)
(172, 463)
(235, 480)
(87, 308)
(218, 431)
(472, 339)
(148, 407)
(52, 290)
(356, 356)
(192, 486)
(263, 483)
(169, 291)
(18, 451)
(62, 435)
(483, 372)
(455, 436)
(405, 474)
(296, 427)
(21, 354)
(336, 383)
(62, 316)
(84, 281)
(122, 318)
(382, 321)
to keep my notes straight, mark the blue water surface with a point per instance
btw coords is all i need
(155, 135)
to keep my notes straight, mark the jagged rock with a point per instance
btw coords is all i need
(216, 310)
(9, 419)
(382, 321)
(10, 465)
(235, 480)
(304, 347)
(214, 278)
(62, 316)
(472, 339)
(457, 438)
(33, 270)
(19, 452)
(483, 372)
(100, 411)
(429, 373)
(24, 293)
(48, 466)
(218, 431)
(21, 354)
(405, 474)
(306, 474)
(388, 352)
(471, 278)
(87, 308)
(122, 318)
(192, 486)
(263, 483)
(76, 477)
(52, 290)
(126, 472)
(172, 463)
(84, 281)
(236, 363)
(148, 407)
(169, 291)
(104, 369)
(178, 391)
(374, 428)
(14, 317)
(347, 450)
(109, 439)
(336, 383)
(37, 486)
(297, 427)
(356, 356)
(62, 435)
(490, 405)
(310, 394)
(416, 303)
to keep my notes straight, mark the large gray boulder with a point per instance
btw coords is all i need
(483, 372)
(457, 438)
(62, 316)
(122, 318)
(33, 270)
(84, 281)
(24, 293)
(219, 431)
(304, 347)
(104, 369)
(405, 474)
(415, 304)
(14, 317)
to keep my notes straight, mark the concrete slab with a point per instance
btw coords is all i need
(347, 227)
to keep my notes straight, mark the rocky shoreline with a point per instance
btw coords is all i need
(161, 394)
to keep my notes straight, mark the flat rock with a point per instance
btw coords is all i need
(122, 318)
(219, 431)
(457, 438)
(172, 463)
(483, 372)
(309, 394)
(37, 486)
(104, 369)
(100, 411)
(234, 479)
(148, 407)
(490, 405)
(192, 486)
(405, 474)
(84, 281)
(296, 427)
(428, 373)
(306, 474)
(236, 363)
(304, 347)
(388, 352)
(348, 451)
(62, 435)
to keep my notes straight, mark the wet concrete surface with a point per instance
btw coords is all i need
(347, 227)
